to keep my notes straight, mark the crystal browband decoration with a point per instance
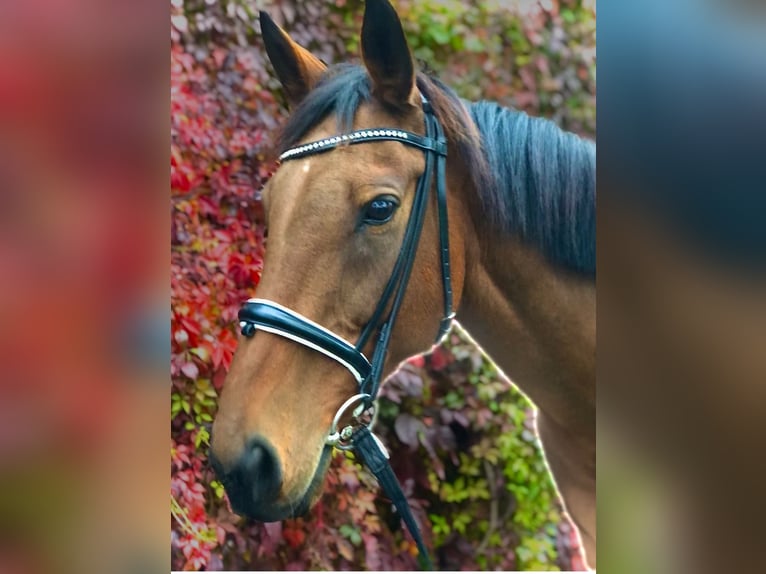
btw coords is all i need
(357, 136)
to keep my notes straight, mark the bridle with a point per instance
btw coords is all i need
(269, 316)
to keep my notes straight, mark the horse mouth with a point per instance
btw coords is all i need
(245, 503)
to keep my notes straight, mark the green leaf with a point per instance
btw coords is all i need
(440, 35)
(351, 533)
(473, 44)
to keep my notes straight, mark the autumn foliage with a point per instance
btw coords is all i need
(461, 439)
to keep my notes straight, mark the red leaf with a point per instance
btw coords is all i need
(294, 537)
(217, 356)
(440, 358)
(191, 326)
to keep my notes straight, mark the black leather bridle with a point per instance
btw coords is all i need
(265, 315)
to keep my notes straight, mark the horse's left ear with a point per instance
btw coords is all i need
(297, 69)
(387, 56)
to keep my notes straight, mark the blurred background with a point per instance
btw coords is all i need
(681, 286)
(461, 439)
(84, 320)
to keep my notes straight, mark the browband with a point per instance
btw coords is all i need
(438, 146)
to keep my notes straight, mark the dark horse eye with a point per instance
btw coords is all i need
(380, 210)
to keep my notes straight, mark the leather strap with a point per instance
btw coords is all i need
(426, 142)
(272, 317)
(441, 205)
(375, 459)
(412, 234)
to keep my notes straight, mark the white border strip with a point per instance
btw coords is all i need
(301, 340)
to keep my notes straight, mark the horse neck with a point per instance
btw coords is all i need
(535, 320)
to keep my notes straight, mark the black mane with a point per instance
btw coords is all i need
(533, 179)
(544, 183)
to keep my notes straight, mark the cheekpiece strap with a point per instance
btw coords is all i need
(441, 206)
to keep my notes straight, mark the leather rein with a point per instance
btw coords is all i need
(269, 316)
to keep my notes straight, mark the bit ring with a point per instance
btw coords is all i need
(339, 439)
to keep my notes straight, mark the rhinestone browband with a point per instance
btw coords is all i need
(360, 136)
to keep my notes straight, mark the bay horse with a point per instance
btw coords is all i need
(516, 261)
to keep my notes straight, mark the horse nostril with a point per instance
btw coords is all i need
(259, 468)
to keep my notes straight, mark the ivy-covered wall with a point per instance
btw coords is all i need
(461, 438)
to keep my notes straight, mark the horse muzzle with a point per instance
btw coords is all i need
(254, 483)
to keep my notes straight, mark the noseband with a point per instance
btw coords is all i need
(266, 315)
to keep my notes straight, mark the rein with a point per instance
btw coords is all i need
(269, 316)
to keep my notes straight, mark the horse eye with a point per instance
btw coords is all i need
(380, 210)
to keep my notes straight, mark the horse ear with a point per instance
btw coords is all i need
(386, 55)
(297, 69)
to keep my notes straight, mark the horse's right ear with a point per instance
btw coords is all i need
(297, 69)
